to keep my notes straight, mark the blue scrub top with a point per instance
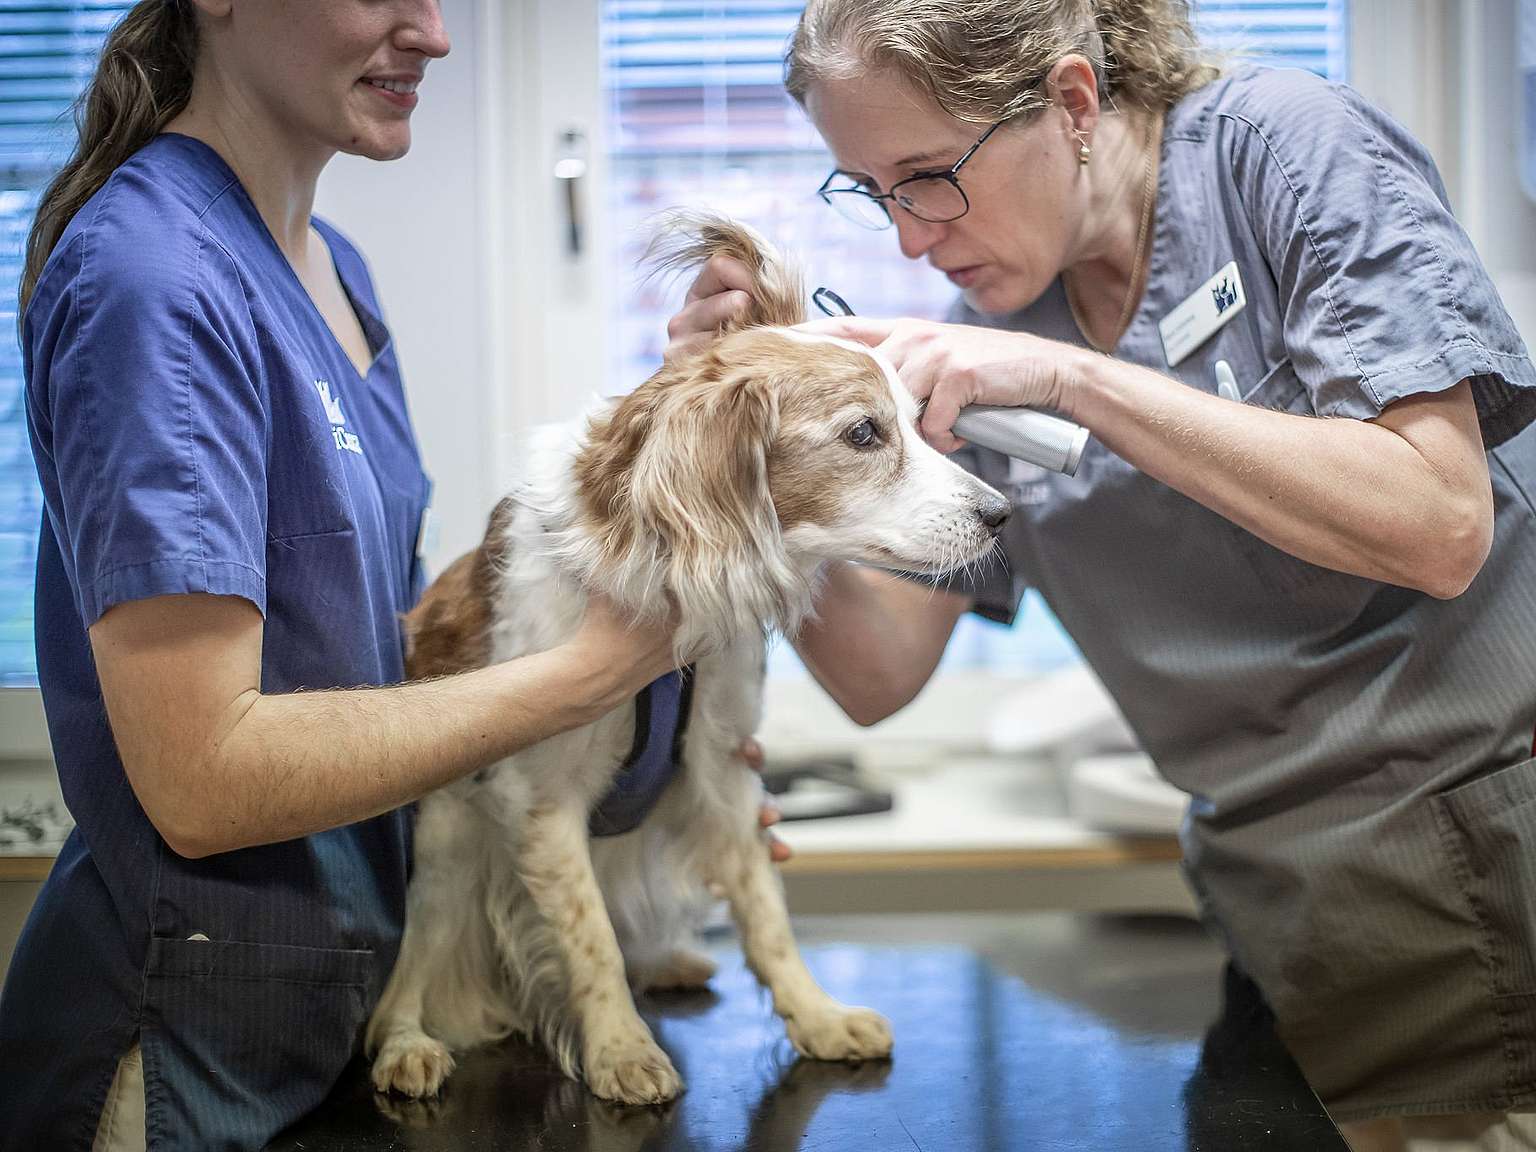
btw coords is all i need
(197, 428)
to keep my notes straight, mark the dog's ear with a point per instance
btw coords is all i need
(685, 242)
(675, 484)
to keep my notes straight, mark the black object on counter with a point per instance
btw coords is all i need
(1045, 1031)
(817, 789)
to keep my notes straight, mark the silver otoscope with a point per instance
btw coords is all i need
(1023, 433)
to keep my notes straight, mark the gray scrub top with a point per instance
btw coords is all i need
(1362, 825)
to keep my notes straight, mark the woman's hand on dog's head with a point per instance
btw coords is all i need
(948, 367)
(720, 294)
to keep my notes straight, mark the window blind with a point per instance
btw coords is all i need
(48, 54)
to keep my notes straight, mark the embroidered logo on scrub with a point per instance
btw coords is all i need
(346, 441)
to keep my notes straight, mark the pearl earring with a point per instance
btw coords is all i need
(1083, 152)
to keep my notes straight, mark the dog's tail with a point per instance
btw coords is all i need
(685, 241)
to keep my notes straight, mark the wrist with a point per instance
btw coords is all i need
(1080, 380)
(583, 687)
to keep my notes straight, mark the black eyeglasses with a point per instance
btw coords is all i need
(932, 196)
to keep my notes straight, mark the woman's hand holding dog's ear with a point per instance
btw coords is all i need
(952, 366)
(719, 295)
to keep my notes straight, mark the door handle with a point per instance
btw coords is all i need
(570, 170)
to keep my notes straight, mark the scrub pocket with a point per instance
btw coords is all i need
(241, 1037)
(1488, 828)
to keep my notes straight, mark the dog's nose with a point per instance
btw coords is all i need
(994, 511)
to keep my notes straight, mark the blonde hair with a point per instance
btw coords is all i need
(984, 60)
(143, 79)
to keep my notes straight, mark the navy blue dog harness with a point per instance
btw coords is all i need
(661, 717)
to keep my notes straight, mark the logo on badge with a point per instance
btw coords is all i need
(346, 441)
(1225, 294)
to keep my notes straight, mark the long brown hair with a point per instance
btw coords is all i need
(144, 78)
(982, 60)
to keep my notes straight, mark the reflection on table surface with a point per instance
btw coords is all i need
(1034, 1031)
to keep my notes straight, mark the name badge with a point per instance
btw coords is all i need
(1210, 306)
(426, 533)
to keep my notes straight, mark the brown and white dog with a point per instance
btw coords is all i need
(722, 484)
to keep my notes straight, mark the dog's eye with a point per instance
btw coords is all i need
(863, 434)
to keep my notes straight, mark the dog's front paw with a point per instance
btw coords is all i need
(412, 1064)
(839, 1033)
(632, 1072)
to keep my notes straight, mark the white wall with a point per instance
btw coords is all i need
(1497, 213)
(1447, 69)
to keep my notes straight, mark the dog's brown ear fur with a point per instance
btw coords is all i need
(449, 630)
(686, 241)
(678, 476)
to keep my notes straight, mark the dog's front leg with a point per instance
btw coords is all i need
(818, 1025)
(619, 1058)
(406, 1058)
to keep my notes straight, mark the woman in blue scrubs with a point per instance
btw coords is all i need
(1300, 549)
(233, 496)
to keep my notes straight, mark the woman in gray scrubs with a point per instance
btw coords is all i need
(1299, 549)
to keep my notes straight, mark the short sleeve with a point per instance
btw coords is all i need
(1382, 293)
(149, 420)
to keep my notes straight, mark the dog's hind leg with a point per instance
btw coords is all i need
(620, 1060)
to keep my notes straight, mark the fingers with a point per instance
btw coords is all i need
(768, 813)
(752, 752)
(720, 274)
(939, 416)
(767, 816)
(703, 318)
(863, 329)
(778, 851)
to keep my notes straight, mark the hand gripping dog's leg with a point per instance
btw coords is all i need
(619, 1058)
(818, 1025)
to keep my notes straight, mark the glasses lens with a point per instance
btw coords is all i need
(859, 208)
(931, 198)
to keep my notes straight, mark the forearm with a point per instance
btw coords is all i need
(287, 765)
(877, 639)
(1350, 495)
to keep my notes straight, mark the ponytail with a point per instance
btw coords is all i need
(144, 78)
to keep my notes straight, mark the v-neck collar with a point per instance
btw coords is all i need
(374, 332)
(1154, 259)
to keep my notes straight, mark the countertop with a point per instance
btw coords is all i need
(1038, 1031)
